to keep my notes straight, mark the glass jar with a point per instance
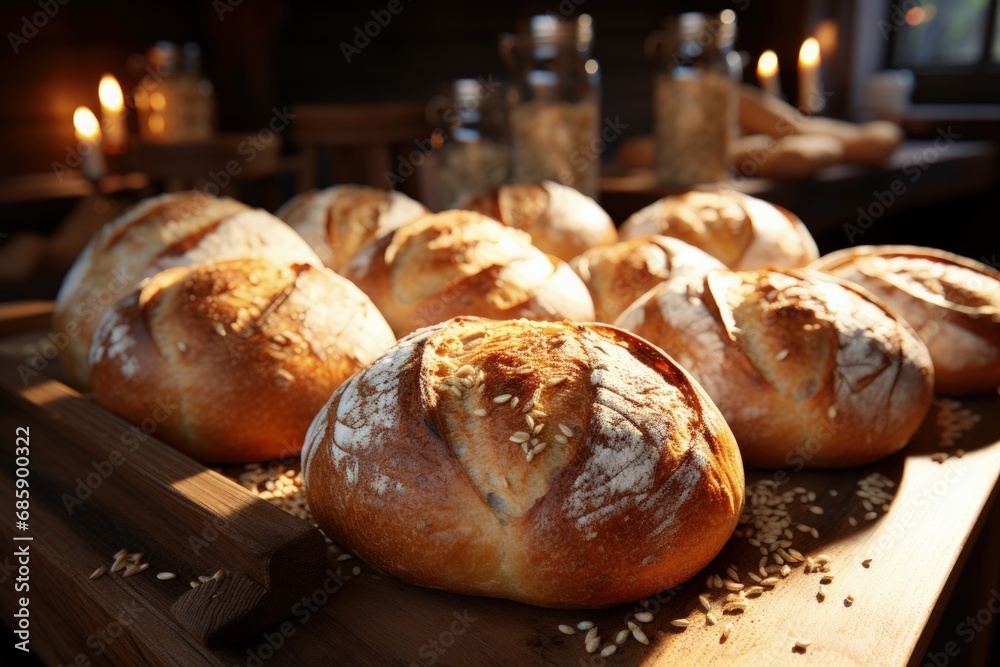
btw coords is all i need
(175, 102)
(555, 102)
(696, 97)
(471, 154)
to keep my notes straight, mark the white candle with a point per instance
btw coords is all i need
(88, 134)
(810, 92)
(112, 115)
(768, 74)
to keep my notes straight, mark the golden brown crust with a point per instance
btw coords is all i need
(952, 302)
(618, 274)
(809, 370)
(179, 229)
(560, 220)
(742, 232)
(244, 352)
(338, 221)
(611, 476)
(462, 263)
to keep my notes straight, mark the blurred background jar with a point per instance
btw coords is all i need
(175, 101)
(471, 154)
(555, 102)
(696, 97)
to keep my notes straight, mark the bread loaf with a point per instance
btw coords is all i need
(340, 220)
(742, 232)
(809, 370)
(868, 143)
(181, 229)
(795, 157)
(952, 302)
(556, 464)
(618, 274)
(560, 220)
(230, 361)
(463, 263)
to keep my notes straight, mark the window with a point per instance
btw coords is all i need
(952, 46)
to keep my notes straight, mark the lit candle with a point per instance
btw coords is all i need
(768, 73)
(112, 115)
(88, 134)
(810, 93)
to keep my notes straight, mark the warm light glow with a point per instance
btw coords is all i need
(590, 66)
(86, 125)
(157, 101)
(809, 53)
(767, 65)
(727, 16)
(915, 16)
(156, 123)
(826, 35)
(110, 93)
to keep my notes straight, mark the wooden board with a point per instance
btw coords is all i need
(917, 549)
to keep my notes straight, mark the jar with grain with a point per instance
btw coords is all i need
(555, 102)
(696, 97)
(472, 156)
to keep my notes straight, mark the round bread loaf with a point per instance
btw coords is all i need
(340, 220)
(561, 465)
(809, 370)
(462, 263)
(742, 232)
(560, 220)
(618, 274)
(180, 229)
(952, 302)
(230, 361)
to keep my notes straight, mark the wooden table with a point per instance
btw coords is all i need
(916, 549)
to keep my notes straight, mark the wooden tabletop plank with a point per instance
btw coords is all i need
(917, 548)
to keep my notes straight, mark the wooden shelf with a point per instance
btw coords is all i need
(832, 198)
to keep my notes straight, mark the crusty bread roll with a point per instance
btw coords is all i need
(556, 464)
(742, 232)
(230, 361)
(809, 370)
(340, 220)
(560, 220)
(463, 263)
(868, 143)
(952, 302)
(795, 157)
(180, 229)
(618, 274)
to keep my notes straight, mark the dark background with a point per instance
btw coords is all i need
(262, 55)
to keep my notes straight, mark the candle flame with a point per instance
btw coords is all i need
(809, 53)
(110, 93)
(86, 125)
(767, 65)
